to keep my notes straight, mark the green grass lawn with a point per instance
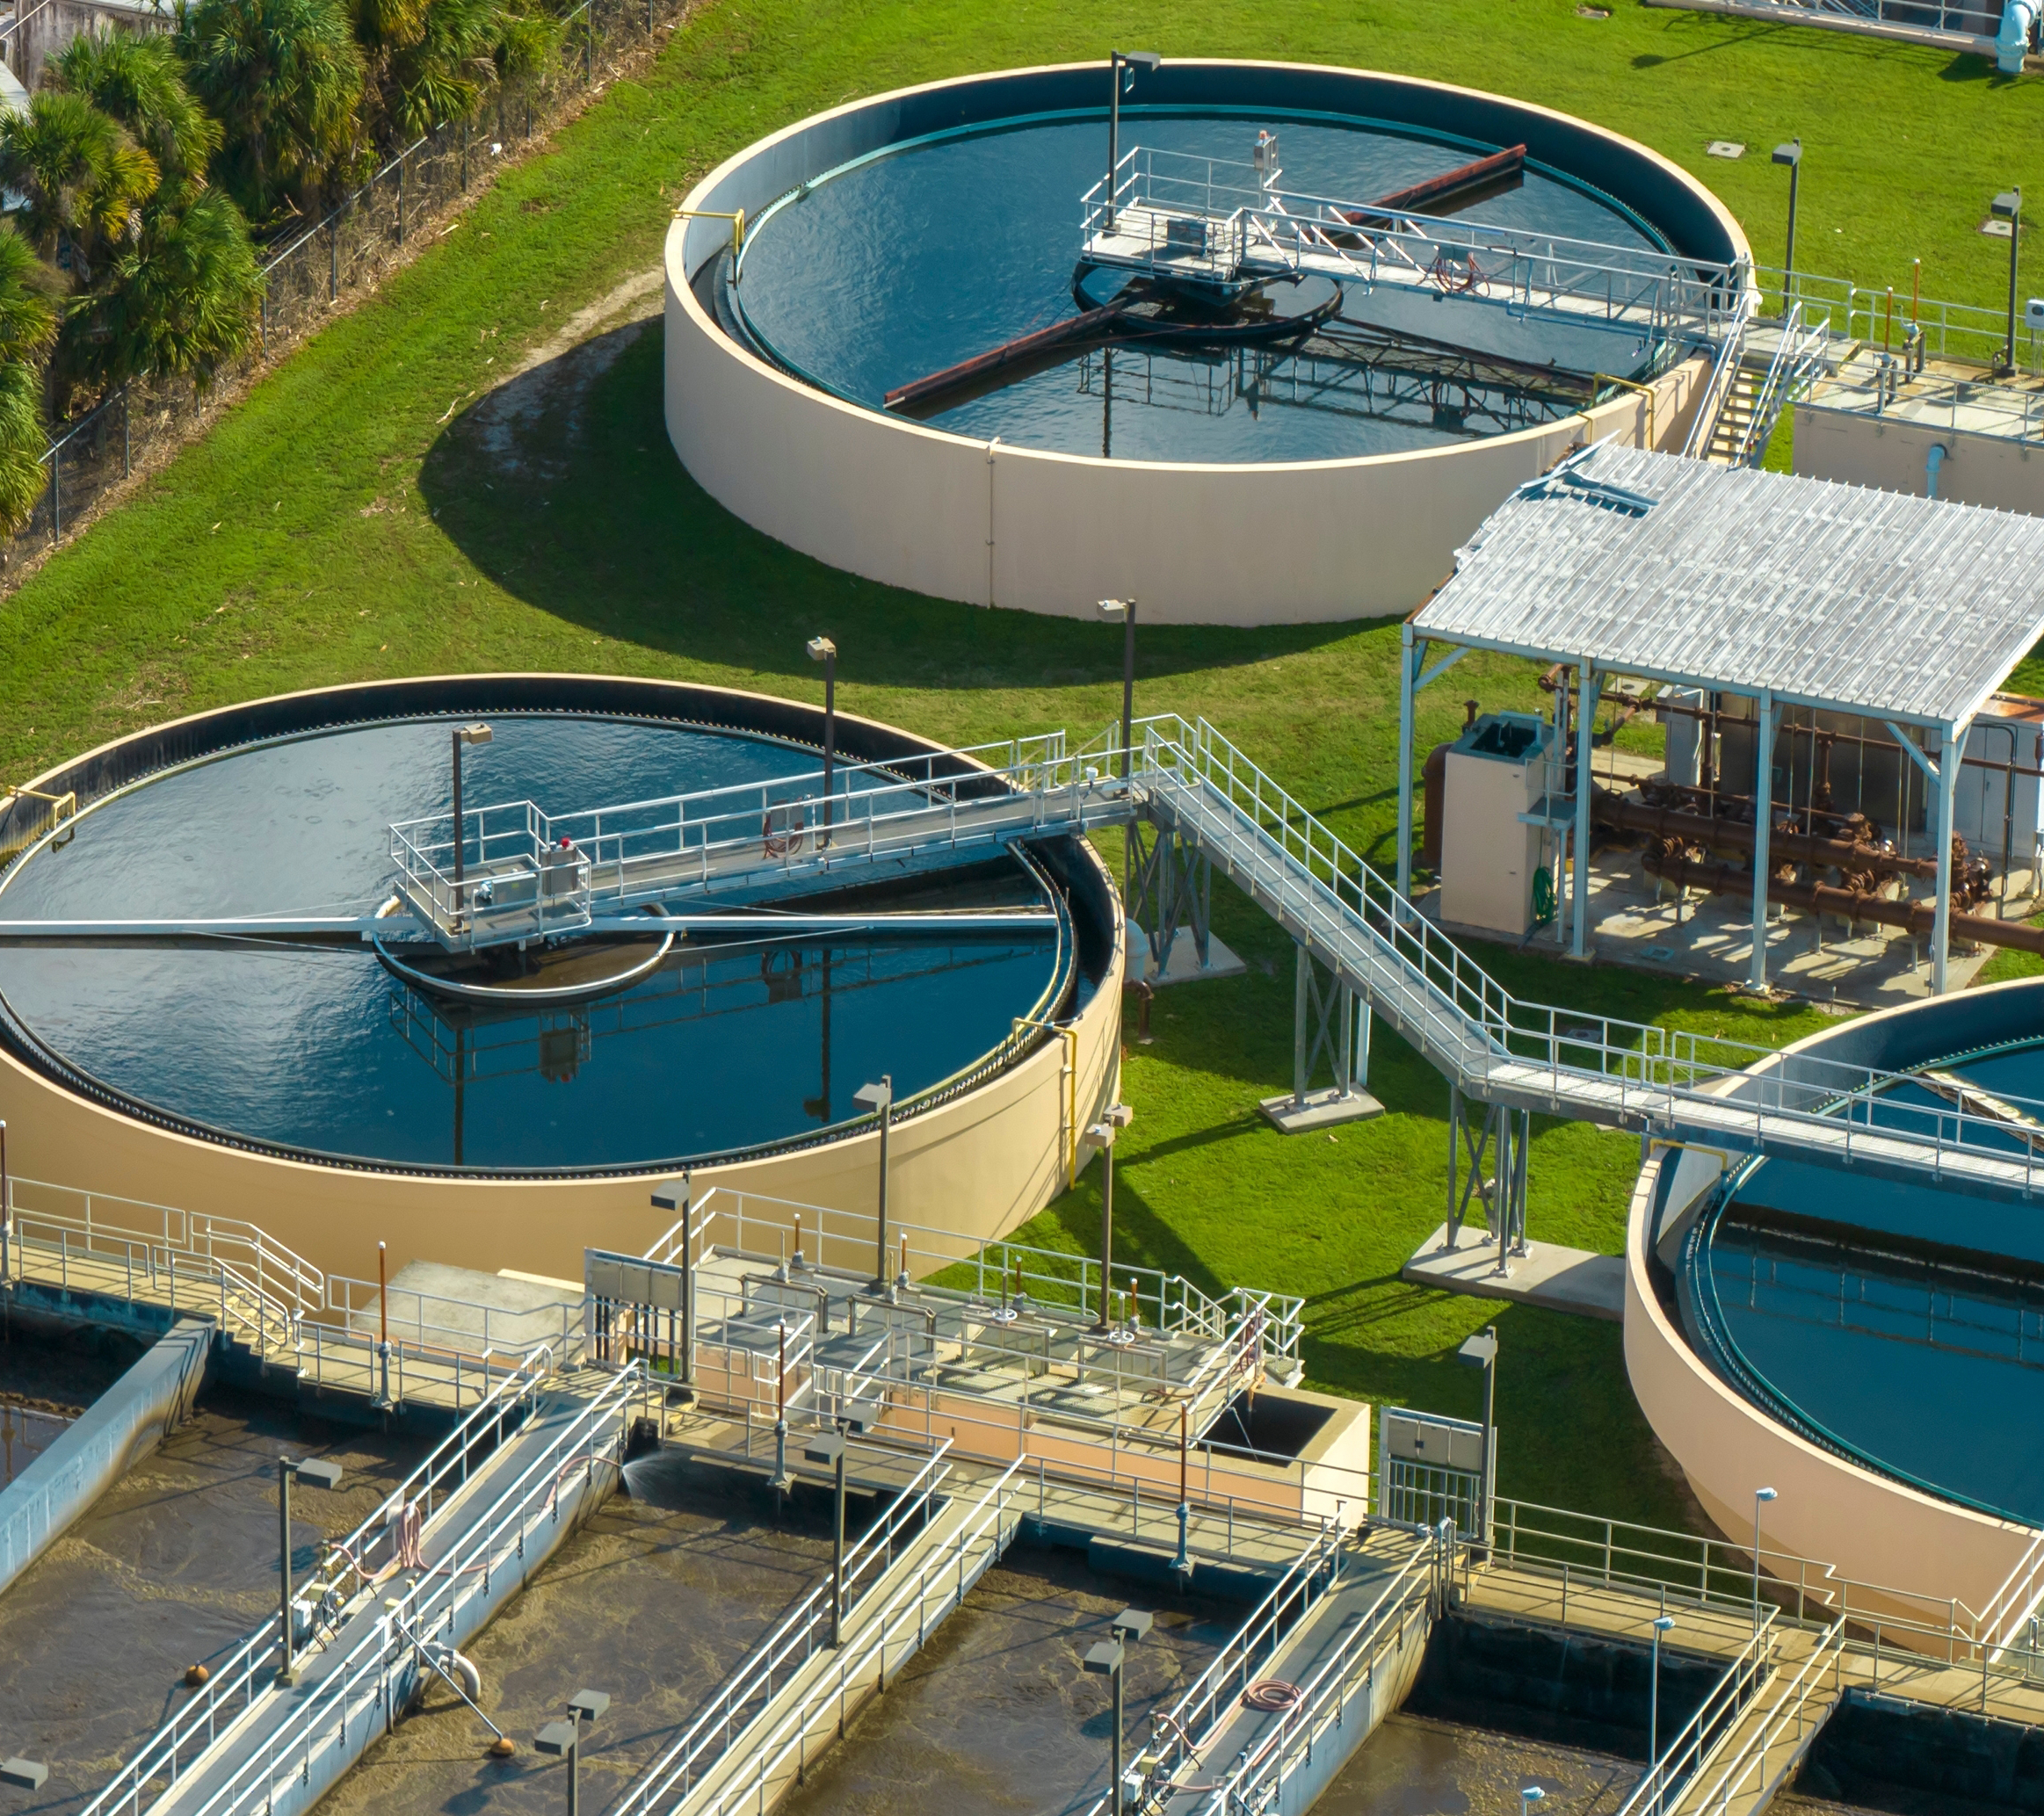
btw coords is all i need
(347, 522)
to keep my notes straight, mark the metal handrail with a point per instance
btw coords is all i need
(716, 1730)
(1691, 1745)
(1724, 375)
(1788, 1706)
(429, 1601)
(235, 1684)
(1600, 1068)
(1800, 349)
(1258, 1782)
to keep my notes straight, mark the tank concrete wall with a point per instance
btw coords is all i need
(977, 1164)
(991, 524)
(104, 1443)
(1892, 455)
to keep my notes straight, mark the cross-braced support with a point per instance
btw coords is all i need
(1169, 886)
(1339, 1022)
(1481, 1134)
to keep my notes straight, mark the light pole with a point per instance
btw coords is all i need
(460, 736)
(1480, 1351)
(2008, 206)
(829, 1448)
(1654, 1697)
(1121, 67)
(1791, 154)
(563, 1739)
(1113, 1120)
(879, 1099)
(7, 1213)
(1761, 1497)
(1105, 1659)
(1528, 1796)
(821, 649)
(321, 1474)
(1122, 612)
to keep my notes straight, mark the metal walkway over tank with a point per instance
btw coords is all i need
(1215, 225)
(1194, 802)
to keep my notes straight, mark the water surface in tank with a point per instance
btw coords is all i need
(319, 1047)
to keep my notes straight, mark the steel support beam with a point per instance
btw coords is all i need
(1770, 719)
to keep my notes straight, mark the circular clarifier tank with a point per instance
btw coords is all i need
(1870, 1310)
(577, 1054)
(1278, 368)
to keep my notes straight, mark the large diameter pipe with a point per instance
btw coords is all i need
(1918, 917)
(1788, 847)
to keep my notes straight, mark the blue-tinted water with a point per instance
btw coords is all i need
(1902, 1324)
(913, 261)
(319, 1047)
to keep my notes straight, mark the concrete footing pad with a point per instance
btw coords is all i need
(1318, 1109)
(1561, 1279)
(1182, 965)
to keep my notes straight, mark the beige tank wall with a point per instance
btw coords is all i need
(977, 1165)
(1868, 1529)
(989, 525)
(1893, 456)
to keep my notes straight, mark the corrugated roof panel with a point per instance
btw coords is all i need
(1870, 602)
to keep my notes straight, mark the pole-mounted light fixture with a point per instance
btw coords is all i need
(1790, 155)
(1121, 68)
(463, 734)
(821, 649)
(2008, 206)
(879, 1099)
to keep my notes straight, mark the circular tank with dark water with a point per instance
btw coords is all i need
(1896, 1322)
(733, 1042)
(907, 262)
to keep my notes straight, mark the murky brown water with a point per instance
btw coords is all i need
(1415, 1767)
(25, 1434)
(995, 1712)
(177, 1563)
(654, 1601)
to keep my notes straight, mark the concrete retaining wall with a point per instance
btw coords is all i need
(1893, 453)
(115, 1433)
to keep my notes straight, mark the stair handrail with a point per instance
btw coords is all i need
(1790, 359)
(1710, 406)
(1468, 1025)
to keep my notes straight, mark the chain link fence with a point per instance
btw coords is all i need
(311, 271)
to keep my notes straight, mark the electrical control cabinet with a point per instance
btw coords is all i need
(1497, 771)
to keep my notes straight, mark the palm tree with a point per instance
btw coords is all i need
(284, 78)
(139, 82)
(181, 301)
(442, 73)
(28, 323)
(81, 178)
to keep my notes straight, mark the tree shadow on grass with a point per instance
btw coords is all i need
(562, 486)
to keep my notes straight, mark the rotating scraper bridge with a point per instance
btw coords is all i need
(732, 856)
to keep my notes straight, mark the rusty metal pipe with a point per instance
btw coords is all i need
(1786, 847)
(1918, 917)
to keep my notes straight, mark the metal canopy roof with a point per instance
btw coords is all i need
(1830, 596)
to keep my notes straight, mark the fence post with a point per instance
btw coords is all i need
(57, 491)
(401, 197)
(589, 43)
(334, 256)
(126, 464)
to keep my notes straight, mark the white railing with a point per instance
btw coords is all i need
(267, 1296)
(1724, 374)
(349, 1569)
(1258, 1782)
(1001, 1273)
(1715, 1718)
(1778, 1736)
(1799, 359)
(1600, 1068)
(872, 1648)
(1196, 217)
(360, 1683)
(529, 872)
(1212, 1697)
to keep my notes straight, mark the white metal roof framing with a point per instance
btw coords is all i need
(1819, 594)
